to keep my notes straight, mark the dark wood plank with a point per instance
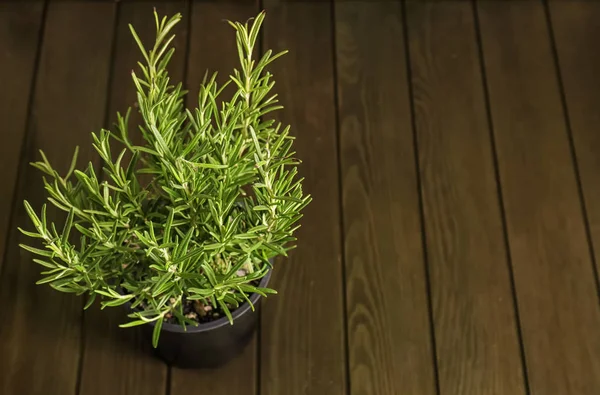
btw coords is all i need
(40, 329)
(390, 348)
(557, 295)
(20, 26)
(576, 28)
(237, 377)
(213, 48)
(473, 305)
(115, 360)
(302, 334)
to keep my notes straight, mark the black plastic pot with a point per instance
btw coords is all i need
(208, 345)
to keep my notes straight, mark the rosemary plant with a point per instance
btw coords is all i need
(222, 199)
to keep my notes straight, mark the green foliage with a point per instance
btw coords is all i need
(222, 196)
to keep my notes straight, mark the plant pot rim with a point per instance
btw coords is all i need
(208, 326)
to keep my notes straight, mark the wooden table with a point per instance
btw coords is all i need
(453, 152)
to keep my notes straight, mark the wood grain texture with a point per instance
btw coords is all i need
(386, 283)
(473, 308)
(557, 295)
(576, 28)
(213, 47)
(302, 337)
(40, 329)
(19, 42)
(116, 360)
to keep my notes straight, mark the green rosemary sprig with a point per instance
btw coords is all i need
(223, 198)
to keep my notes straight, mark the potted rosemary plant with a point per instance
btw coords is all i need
(182, 229)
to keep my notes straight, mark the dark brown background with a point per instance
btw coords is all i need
(453, 152)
